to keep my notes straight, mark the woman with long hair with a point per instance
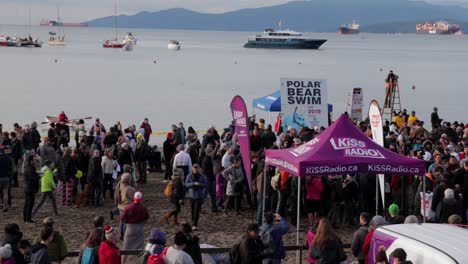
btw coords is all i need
(327, 246)
(89, 253)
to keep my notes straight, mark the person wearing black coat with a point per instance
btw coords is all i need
(168, 152)
(192, 246)
(207, 167)
(66, 176)
(13, 236)
(141, 158)
(95, 178)
(27, 139)
(447, 207)
(251, 248)
(124, 156)
(31, 187)
(16, 149)
(82, 164)
(36, 137)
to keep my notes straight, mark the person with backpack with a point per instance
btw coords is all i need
(89, 253)
(250, 249)
(272, 238)
(176, 196)
(155, 248)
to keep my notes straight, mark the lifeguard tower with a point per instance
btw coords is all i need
(392, 104)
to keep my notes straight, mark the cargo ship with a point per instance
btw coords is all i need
(53, 23)
(439, 27)
(348, 29)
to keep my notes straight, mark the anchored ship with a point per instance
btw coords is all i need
(439, 27)
(53, 23)
(347, 29)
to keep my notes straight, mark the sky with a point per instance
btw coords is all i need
(16, 11)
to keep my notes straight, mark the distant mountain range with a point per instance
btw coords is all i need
(310, 16)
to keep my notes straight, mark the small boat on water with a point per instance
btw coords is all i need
(129, 38)
(113, 44)
(60, 41)
(173, 45)
(31, 42)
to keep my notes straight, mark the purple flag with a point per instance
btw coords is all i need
(239, 114)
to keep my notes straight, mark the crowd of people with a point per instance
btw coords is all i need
(107, 165)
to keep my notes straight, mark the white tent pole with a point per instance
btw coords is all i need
(424, 198)
(298, 220)
(269, 117)
(377, 196)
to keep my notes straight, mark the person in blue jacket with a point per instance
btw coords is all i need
(196, 185)
(276, 231)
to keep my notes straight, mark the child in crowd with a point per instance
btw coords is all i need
(220, 187)
(6, 255)
(308, 243)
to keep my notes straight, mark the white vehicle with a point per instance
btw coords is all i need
(423, 243)
(129, 38)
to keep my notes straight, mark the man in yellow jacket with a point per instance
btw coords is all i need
(47, 186)
(399, 120)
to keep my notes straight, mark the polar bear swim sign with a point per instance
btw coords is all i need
(304, 103)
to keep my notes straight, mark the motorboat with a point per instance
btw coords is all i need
(60, 41)
(113, 44)
(129, 38)
(31, 43)
(282, 39)
(173, 45)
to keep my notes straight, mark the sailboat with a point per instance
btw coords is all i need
(60, 39)
(28, 42)
(114, 43)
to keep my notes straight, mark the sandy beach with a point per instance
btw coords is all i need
(214, 228)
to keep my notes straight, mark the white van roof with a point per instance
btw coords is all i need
(448, 239)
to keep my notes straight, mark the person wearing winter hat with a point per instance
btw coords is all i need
(376, 222)
(134, 217)
(6, 255)
(155, 246)
(47, 187)
(177, 195)
(394, 212)
(176, 254)
(447, 207)
(108, 251)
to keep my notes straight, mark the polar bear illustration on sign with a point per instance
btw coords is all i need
(295, 120)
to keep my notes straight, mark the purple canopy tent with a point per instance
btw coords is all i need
(341, 149)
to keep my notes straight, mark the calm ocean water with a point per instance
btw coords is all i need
(195, 85)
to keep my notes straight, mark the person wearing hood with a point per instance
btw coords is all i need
(134, 216)
(177, 195)
(6, 255)
(47, 186)
(12, 237)
(447, 207)
(376, 222)
(155, 247)
(108, 251)
(31, 187)
(39, 251)
(125, 155)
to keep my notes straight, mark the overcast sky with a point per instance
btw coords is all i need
(16, 11)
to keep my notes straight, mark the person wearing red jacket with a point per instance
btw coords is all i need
(108, 252)
(147, 127)
(376, 221)
(134, 217)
